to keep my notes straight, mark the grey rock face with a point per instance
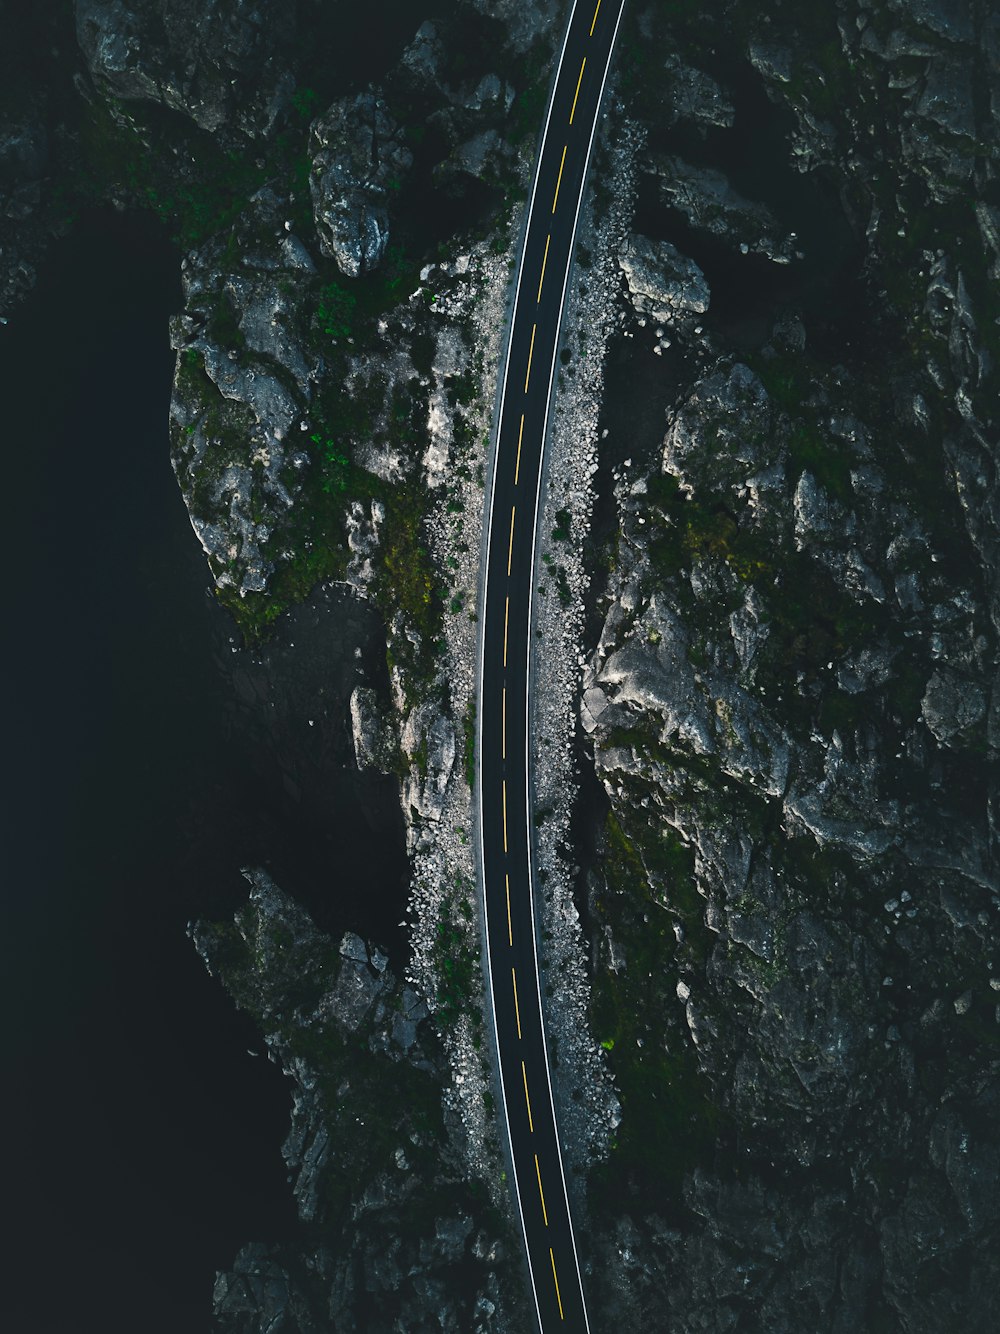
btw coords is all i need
(732, 403)
(916, 65)
(24, 161)
(951, 706)
(224, 63)
(374, 746)
(771, 59)
(242, 390)
(423, 58)
(650, 673)
(429, 737)
(947, 98)
(695, 98)
(24, 154)
(358, 159)
(710, 204)
(704, 702)
(525, 21)
(951, 19)
(662, 282)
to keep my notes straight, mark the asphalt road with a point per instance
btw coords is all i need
(505, 790)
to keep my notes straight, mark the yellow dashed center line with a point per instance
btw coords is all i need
(548, 240)
(541, 1193)
(577, 93)
(506, 619)
(555, 197)
(555, 1280)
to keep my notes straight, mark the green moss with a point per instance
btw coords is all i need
(813, 621)
(335, 309)
(456, 960)
(223, 326)
(684, 530)
(828, 462)
(529, 105)
(669, 1122)
(406, 580)
(137, 148)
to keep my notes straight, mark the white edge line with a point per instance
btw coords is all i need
(531, 654)
(482, 670)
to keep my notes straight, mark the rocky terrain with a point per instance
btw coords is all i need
(774, 599)
(392, 1230)
(790, 694)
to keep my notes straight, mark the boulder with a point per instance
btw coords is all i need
(694, 97)
(662, 282)
(359, 159)
(951, 705)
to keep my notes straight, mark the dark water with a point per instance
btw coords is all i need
(141, 1138)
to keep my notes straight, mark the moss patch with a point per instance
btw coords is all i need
(669, 1121)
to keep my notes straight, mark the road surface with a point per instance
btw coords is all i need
(503, 749)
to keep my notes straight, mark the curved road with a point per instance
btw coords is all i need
(504, 784)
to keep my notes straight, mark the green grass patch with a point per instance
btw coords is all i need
(808, 451)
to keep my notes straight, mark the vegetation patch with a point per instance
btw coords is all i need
(669, 1121)
(456, 961)
(687, 530)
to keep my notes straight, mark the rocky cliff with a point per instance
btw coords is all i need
(393, 1233)
(774, 597)
(791, 695)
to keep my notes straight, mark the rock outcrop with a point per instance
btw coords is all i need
(226, 63)
(662, 282)
(369, 1150)
(358, 159)
(242, 392)
(710, 204)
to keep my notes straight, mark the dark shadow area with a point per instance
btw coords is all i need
(749, 291)
(143, 1140)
